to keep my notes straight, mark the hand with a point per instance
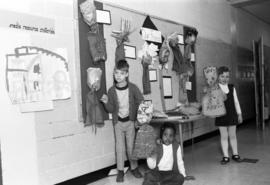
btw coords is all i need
(189, 177)
(240, 118)
(104, 98)
(159, 142)
(137, 124)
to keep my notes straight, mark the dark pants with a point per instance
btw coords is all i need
(153, 177)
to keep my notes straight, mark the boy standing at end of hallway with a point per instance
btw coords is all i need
(123, 101)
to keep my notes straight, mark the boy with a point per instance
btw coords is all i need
(123, 101)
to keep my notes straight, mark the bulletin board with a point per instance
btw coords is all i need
(166, 27)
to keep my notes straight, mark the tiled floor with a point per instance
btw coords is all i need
(202, 161)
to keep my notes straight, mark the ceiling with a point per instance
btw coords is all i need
(258, 8)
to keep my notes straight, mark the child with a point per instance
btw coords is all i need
(227, 123)
(166, 166)
(123, 101)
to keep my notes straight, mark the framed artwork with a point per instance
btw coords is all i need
(167, 87)
(130, 51)
(103, 16)
(152, 75)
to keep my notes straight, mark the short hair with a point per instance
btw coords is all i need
(122, 65)
(166, 125)
(223, 69)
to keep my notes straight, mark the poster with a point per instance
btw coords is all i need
(35, 74)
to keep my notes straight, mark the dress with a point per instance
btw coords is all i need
(230, 118)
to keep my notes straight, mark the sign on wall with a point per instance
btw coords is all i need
(26, 22)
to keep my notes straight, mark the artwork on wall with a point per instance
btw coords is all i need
(35, 74)
(103, 16)
(130, 51)
(167, 86)
(152, 75)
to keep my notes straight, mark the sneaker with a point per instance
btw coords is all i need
(136, 173)
(236, 158)
(120, 176)
(225, 160)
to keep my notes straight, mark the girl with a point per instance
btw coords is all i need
(166, 165)
(227, 123)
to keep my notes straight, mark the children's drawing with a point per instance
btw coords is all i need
(35, 74)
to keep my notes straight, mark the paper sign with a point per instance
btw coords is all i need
(192, 57)
(151, 35)
(180, 39)
(167, 86)
(130, 51)
(103, 16)
(188, 86)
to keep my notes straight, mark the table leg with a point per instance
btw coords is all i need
(181, 138)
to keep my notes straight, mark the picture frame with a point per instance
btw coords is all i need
(167, 87)
(130, 51)
(152, 75)
(103, 16)
(181, 39)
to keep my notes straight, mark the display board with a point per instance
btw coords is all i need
(167, 27)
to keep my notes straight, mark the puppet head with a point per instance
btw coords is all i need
(94, 78)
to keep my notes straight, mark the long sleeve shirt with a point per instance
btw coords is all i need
(135, 97)
(166, 162)
(225, 89)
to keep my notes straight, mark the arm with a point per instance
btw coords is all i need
(109, 105)
(138, 96)
(151, 161)
(237, 106)
(236, 102)
(180, 162)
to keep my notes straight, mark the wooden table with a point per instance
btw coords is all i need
(180, 121)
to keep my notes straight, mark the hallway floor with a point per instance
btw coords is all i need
(202, 161)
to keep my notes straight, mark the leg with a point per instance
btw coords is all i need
(151, 178)
(119, 145)
(224, 140)
(130, 137)
(233, 139)
(171, 178)
(181, 138)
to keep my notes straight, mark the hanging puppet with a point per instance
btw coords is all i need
(97, 45)
(121, 36)
(164, 54)
(190, 40)
(93, 106)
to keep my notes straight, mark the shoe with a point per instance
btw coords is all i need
(236, 158)
(136, 173)
(120, 176)
(225, 160)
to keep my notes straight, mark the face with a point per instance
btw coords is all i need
(120, 75)
(224, 78)
(168, 136)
